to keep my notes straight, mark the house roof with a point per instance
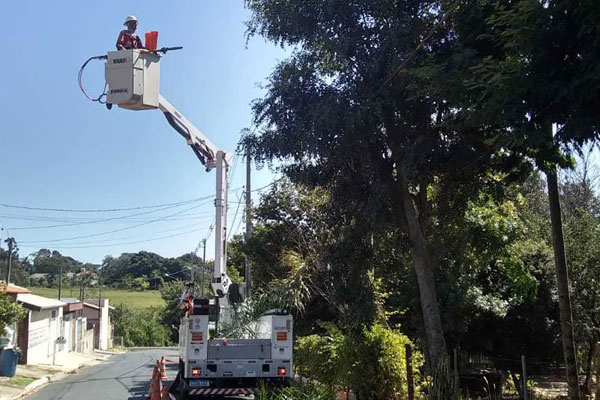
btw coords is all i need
(13, 289)
(93, 303)
(72, 305)
(38, 303)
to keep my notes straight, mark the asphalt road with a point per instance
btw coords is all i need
(123, 376)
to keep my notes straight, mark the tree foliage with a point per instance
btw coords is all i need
(140, 327)
(373, 365)
(10, 312)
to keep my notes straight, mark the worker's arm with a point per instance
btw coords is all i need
(121, 41)
(140, 45)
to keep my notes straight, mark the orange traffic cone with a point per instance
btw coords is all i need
(163, 368)
(155, 384)
(164, 395)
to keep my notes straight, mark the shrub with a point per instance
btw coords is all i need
(372, 364)
(140, 327)
(298, 391)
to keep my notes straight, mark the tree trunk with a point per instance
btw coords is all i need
(562, 281)
(425, 276)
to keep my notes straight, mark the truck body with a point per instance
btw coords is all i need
(214, 365)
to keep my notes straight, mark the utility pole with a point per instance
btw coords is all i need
(82, 290)
(192, 266)
(11, 245)
(60, 282)
(247, 272)
(203, 268)
(99, 304)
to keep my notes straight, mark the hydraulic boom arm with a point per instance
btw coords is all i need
(211, 157)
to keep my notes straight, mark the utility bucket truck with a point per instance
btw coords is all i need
(220, 367)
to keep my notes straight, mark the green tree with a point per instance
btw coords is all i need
(366, 106)
(10, 312)
(171, 314)
(140, 327)
(20, 268)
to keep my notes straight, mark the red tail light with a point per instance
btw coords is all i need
(196, 372)
(281, 371)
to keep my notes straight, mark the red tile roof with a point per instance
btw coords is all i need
(13, 289)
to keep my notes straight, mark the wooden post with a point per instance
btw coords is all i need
(456, 378)
(409, 373)
(524, 378)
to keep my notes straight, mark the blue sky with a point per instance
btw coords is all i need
(59, 150)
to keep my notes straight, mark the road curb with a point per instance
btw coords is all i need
(108, 353)
(41, 382)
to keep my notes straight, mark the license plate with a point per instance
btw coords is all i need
(199, 383)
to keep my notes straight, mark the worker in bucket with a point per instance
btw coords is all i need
(128, 38)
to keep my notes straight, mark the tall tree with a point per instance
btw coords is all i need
(359, 108)
(535, 64)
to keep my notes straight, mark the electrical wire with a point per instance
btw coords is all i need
(129, 237)
(268, 185)
(113, 231)
(80, 81)
(108, 209)
(98, 220)
(126, 243)
(234, 217)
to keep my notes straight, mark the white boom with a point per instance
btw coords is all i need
(211, 157)
(133, 80)
(207, 366)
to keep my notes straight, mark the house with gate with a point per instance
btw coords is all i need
(40, 332)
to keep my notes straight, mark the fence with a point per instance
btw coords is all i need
(86, 343)
(492, 378)
(116, 342)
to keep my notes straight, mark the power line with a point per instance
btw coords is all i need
(77, 219)
(68, 246)
(113, 231)
(127, 237)
(130, 237)
(105, 210)
(270, 184)
(98, 220)
(234, 217)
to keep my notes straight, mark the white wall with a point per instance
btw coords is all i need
(104, 326)
(43, 331)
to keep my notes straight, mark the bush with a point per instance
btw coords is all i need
(170, 316)
(298, 391)
(140, 327)
(373, 364)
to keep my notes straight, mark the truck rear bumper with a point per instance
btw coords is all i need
(223, 391)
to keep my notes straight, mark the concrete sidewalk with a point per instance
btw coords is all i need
(32, 377)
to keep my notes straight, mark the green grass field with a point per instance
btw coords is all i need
(134, 299)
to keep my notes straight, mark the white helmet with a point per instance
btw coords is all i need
(129, 19)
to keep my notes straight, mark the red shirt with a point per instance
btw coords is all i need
(128, 40)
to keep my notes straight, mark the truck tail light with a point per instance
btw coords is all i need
(196, 372)
(281, 371)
